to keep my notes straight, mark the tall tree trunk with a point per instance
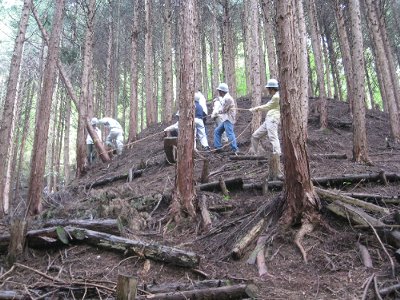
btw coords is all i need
(302, 201)
(381, 57)
(197, 46)
(84, 114)
(254, 61)
(228, 48)
(263, 67)
(67, 122)
(334, 66)
(134, 75)
(360, 146)
(246, 49)
(215, 54)
(168, 82)
(29, 99)
(344, 49)
(269, 21)
(42, 126)
(319, 64)
(204, 64)
(108, 105)
(5, 128)
(149, 66)
(184, 192)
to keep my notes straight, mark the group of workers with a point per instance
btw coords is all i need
(224, 115)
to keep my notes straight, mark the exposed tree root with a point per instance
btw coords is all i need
(306, 228)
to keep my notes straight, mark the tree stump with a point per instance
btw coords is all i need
(170, 148)
(126, 287)
(16, 247)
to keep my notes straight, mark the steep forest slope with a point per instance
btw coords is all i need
(335, 268)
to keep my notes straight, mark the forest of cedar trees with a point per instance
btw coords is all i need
(318, 221)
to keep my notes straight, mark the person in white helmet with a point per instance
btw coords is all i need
(270, 128)
(228, 118)
(91, 149)
(271, 123)
(217, 106)
(115, 138)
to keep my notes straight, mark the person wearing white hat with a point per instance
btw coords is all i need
(228, 119)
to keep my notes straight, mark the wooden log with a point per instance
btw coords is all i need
(338, 196)
(220, 293)
(10, 295)
(376, 197)
(365, 256)
(390, 289)
(239, 247)
(173, 287)
(231, 184)
(55, 236)
(329, 155)
(221, 207)
(111, 226)
(355, 215)
(112, 179)
(205, 213)
(126, 287)
(16, 246)
(247, 157)
(262, 267)
(223, 187)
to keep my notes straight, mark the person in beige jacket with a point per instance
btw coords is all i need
(271, 123)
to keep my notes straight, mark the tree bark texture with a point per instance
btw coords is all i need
(42, 126)
(5, 128)
(168, 82)
(360, 146)
(184, 193)
(319, 64)
(269, 21)
(151, 113)
(298, 190)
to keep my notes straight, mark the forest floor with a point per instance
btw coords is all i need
(334, 270)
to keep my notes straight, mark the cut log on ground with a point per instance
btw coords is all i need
(331, 181)
(373, 197)
(239, 247)
(247, 157)
(167, 288)
(329, 155)
(108, 180)
(54, 236)
(390, 289)
(221, 293)
(10, 295)
(231, 184)
(365, 256)
(111, 226)
(338, 196)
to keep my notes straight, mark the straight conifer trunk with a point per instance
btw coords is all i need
(5, 127)
(42, 126)
(299, 193)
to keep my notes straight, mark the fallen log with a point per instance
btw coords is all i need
(231, 184)
(239, 247)
(389, 289)
(365, 256)
(108, 180)
(331, 181)
(365, 196)
(11, 295)
(220, 293)
(111, 226)
(167, 288)
(221, 207)
(247, 157)
(16, 247)
(55, 236)
(329, 155)
(337, 196)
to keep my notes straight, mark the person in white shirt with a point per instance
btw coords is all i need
(91, 149)
(217, 107)
(115, 138)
